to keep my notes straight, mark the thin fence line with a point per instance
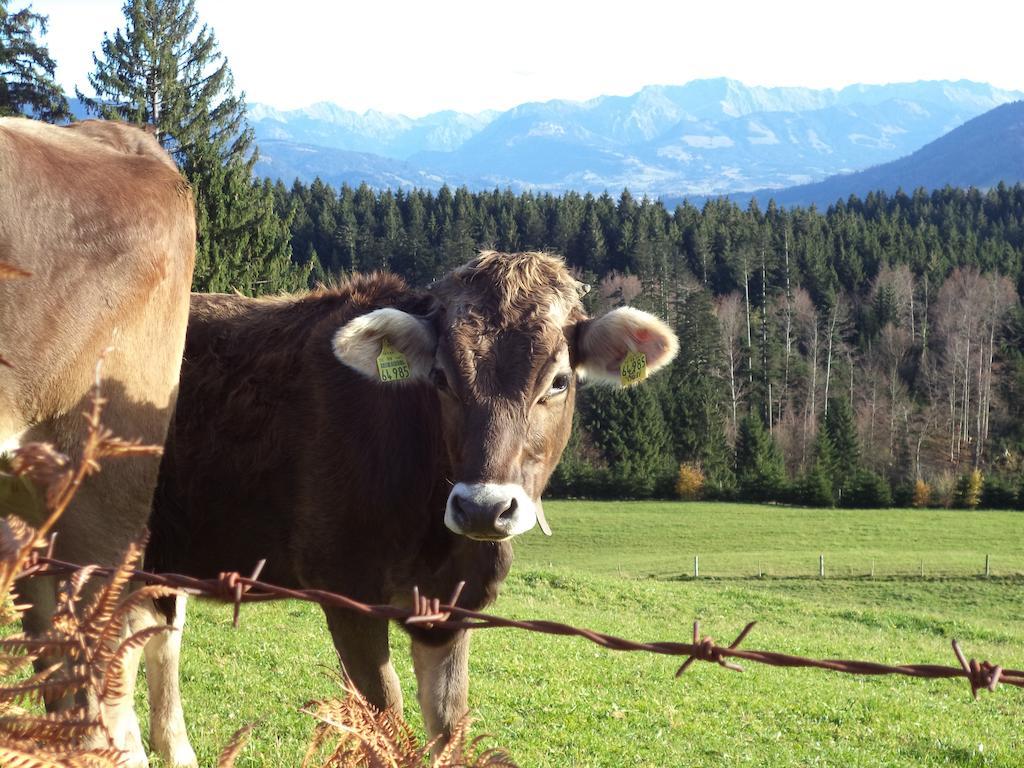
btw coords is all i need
(234, 588)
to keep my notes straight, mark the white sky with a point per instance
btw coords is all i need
(419, 56)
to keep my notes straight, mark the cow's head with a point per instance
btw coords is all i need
(504, 351)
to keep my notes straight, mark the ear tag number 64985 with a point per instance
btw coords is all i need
(634, 368)
(392, 365)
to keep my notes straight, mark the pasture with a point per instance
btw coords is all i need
(625, 568)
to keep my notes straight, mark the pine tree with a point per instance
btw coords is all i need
(165, 70)
(580, 471)
(815, 487)
(841, 433)
(691, 397)
(161, 71)
(760, 474)
(26, 69)
(629, 430)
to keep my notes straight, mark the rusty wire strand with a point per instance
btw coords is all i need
(234, 588)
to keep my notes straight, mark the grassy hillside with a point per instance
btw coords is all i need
(660, 539)
(616, 567)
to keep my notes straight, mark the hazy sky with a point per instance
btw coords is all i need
(419, 56)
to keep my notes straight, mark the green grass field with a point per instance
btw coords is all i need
(623, 568)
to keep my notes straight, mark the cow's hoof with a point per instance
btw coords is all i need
(136, 759)
(125, 736)
(180, 755)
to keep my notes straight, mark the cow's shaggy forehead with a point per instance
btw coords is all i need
(511, 289)
(504, 317)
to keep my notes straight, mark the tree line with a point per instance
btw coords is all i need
(868, 354)
(842, 355)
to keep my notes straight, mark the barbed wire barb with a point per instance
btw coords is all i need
(983, 675)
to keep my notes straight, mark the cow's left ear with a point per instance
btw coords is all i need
(603, 345)
(387, 345)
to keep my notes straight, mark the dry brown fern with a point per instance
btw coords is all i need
(87, 646)
(230, 753)
(80, 658)
(352, 733)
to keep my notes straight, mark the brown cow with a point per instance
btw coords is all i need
(103, 221)
(371, 437)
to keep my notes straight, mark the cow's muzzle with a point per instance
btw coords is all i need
(489, 511)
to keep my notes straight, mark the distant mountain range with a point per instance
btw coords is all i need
(980, 153)
(707, 137)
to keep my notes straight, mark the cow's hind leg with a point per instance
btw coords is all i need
(167, 735)
(362, 645)
(442, 677)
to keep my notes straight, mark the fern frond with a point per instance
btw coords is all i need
(454, 751)
(11, 663)
(16, 538)
(46, 684)
(67, 726)
(320, 733)
(113, 675)
(101, 608)
(227, 756)
(15, 533)
(39, 644)
(42, 691)
(106, 644)
(96, 758)
(15, 758)
(365, 736)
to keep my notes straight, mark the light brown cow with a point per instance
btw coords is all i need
(373, 437)
(103, 221)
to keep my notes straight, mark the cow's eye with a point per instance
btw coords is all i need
(559, 384)
(439, 379)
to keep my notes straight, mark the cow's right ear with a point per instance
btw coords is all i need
(387, 345)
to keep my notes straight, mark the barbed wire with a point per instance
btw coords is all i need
(232, 587)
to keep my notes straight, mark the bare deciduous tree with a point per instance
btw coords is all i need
(730, 322)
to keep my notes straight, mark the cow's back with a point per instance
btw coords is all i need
(278, 451)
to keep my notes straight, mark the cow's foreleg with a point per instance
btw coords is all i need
(119, 715)
(362, 645)
(442, 677)
(167, 735)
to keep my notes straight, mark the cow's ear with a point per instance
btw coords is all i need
(387, 345)
(603, 345)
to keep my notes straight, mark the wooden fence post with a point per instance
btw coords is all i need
(821, 566)
(696, 566)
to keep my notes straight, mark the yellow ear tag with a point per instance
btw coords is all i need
(392, 364)
(634, 368)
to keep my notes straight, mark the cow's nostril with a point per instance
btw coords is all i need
(510, 512)
(460, 512)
